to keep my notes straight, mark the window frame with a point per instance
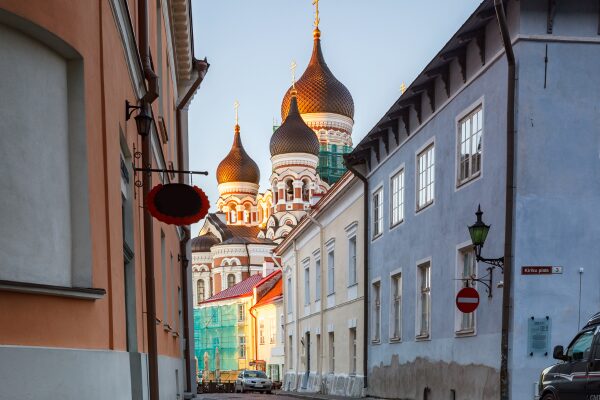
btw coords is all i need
(459, 329)
(306, 270)
(241, 312)
(330, 246)
(378, 191)
(318, 275)
(468, 113)
(242, 347)
(420, 334)
(376, 296)
(429, 145)
(396, 280)
(402, 191)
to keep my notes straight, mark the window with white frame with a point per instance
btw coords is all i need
(242, 346)
(241, 313)
(352, 261)
(331, 272)
(424, 300)
(307, 283)
(470, 129)
(352, 341)
(396, 300)
(272, 331)
(289, 295)
(376, 335)
(317, 279)
(425, 177)
(378, 212)
(230, 280)
(201, 290)
(397, 197)
(467, 269)
(261, 331)
(331, 352)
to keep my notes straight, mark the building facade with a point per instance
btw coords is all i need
(323, 269)
(443, 149)
(94, 294)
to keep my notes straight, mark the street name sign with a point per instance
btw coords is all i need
(540, 270)
(467, 300)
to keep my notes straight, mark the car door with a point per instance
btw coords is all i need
(238, 381)
(593, 383)
(575, 378)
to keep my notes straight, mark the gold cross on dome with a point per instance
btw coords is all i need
(293, 69)
(236, 105)
(402, 88)
(317, 19)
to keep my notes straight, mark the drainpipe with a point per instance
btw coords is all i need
(365, 266)
(297, 313)
(255, 332)
(322, 301)
(509, 211)
(149, 97)
(201, 67)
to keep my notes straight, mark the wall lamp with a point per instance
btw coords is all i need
(478, 232)
(143, 120)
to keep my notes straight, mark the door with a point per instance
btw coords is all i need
(573, 386)
(593, 383)
(307, 373)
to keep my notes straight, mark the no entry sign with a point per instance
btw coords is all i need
(467, 300)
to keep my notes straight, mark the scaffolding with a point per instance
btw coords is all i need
(216, 327)
(331, 162)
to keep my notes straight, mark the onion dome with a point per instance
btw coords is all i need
(318, 90)
(237, 166)
(294, 136)
(203, 243)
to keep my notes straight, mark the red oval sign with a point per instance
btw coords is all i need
(177, 203)
(467, 300)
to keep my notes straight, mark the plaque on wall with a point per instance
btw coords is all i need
(538, 336)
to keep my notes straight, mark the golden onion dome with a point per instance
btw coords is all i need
(237, 166)
(318, 89)
(294, 136)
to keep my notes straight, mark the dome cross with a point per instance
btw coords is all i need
(293, 66)
(236, 105)
(317, 19)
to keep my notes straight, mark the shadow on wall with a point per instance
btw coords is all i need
(433, 379)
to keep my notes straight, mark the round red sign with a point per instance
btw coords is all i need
(467, 300)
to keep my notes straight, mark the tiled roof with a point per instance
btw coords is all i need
(242, 289)
(275, 292)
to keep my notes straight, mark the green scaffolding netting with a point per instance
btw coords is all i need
(331, 162)
(216, 327)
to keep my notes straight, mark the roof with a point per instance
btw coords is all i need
(294, 136)
(272, 295)
(230, 234)
(242, 289)
(238, 166)
(318, 89)
(203, 243)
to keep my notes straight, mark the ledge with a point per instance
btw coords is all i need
(52, 290)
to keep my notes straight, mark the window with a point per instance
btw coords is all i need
(396, 320)
(352, 332)
(306, 283)
(261, 331)
(581, 347)
(290, 352)
(378, 212)
(201, 290)
(330, 272)
(273, 331)
(376, 311)
(289, 295)
(425, 177)
(241, 313)
(424, 300)
(317, 279)
(469, 148)
(352, 261)
(331, 352)
(233, 217)
(242, 346)
(397, 193)
(467, 270)
(230, 280)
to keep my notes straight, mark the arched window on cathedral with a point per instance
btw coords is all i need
(289, 190)
(230, 280)
(305, 190)
(247, 213)
(201, 289)
(233, 216)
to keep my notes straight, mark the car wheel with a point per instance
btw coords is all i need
(549, 396)
(269, 392)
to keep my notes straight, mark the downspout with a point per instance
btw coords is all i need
(509, 211)
(149, 97)
(322, 299)
(297, 307)
(201, 67)
(365, 266)
(255, 332)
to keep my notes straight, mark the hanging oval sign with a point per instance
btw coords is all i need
(177, 203)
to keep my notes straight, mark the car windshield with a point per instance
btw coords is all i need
(255, 374)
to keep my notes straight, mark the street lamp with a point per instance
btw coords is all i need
(478, 232)
(143, 120)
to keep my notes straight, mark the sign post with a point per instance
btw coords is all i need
(467, 300)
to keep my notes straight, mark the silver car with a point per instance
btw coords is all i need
(253, 381)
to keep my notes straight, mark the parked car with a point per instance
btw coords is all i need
(253, 381)
(577, 376)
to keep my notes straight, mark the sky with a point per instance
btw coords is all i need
(371, 46)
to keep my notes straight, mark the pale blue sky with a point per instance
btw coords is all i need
(371, 46)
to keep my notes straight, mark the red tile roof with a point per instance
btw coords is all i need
(272, 295)
(242, 289)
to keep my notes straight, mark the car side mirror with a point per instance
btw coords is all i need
(559, 353)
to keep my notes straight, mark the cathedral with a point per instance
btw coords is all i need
(307, 151)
